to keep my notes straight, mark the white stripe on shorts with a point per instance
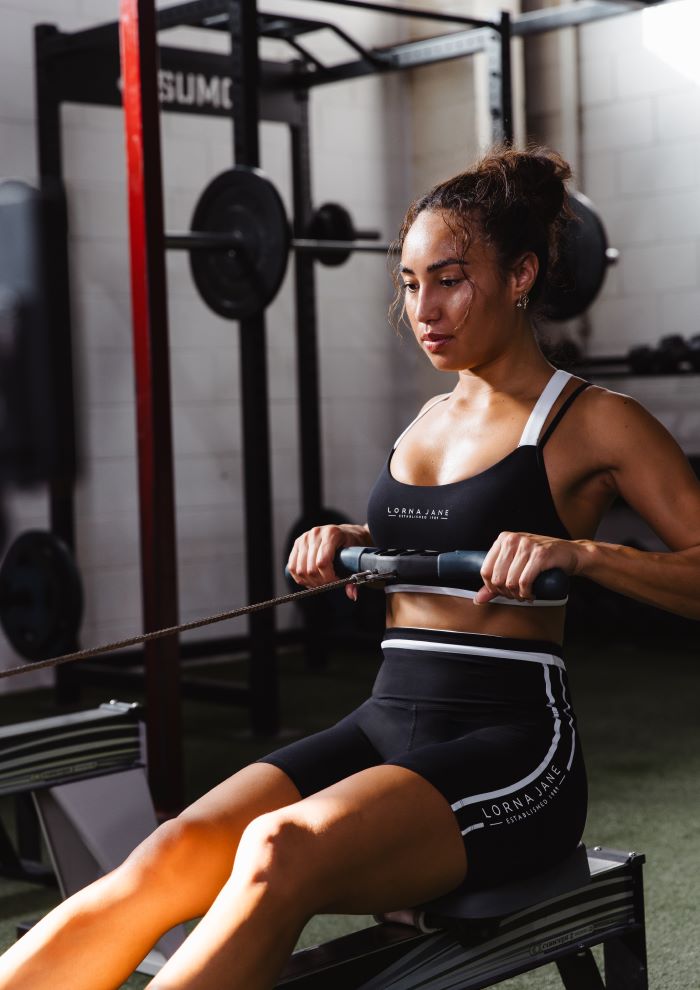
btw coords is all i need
(519, 784)
(549, 659)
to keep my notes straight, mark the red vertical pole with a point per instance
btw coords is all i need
(139, 64)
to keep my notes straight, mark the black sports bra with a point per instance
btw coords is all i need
(512, 495)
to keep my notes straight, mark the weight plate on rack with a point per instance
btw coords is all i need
(41, 596)
(241, 282)
(331, 222)
(582, 265)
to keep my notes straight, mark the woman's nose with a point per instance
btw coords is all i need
(427, 310)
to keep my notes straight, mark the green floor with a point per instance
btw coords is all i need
(639, 713)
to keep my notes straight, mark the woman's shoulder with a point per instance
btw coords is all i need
(600, 403)
(619, 419)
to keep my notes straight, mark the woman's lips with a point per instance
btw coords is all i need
(435, 341)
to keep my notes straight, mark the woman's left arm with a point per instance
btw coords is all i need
(649, 470)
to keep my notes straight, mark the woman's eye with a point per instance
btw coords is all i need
(449, 282)
(409, 286)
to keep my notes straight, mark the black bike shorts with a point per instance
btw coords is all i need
(488, 721)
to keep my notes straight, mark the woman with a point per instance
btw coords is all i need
(465, 761)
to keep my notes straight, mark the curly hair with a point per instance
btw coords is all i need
(515, 200)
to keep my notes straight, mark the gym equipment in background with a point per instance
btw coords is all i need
(41, 595)
(86, 774)
(240, 241)
(29, 435)
(585, 258)
(672, 355)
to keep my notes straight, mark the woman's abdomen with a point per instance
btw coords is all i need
(427, 611)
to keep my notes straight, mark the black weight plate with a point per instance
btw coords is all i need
(583, 263)
(331, 222)
(241, 283)
(41, 596)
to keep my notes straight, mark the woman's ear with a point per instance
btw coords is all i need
(524, 273)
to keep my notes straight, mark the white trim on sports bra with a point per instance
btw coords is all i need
(420, 415)
(541, 410)
(543, 407)
(433, 589)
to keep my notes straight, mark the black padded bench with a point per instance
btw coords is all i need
(472, 940)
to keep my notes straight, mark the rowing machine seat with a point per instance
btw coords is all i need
(495, 902)
(476, 909)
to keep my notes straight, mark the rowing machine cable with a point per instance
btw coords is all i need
(362, 577)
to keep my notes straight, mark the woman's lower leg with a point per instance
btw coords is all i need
(244, 941)
(97, 937)
(251, 928)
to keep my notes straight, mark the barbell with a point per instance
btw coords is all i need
(240, 239)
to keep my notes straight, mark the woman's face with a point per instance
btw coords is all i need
(460, 306)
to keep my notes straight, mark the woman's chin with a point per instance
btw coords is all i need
(445, 362)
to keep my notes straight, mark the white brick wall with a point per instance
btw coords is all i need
(371, 382)
(645, 179)
(640, 164)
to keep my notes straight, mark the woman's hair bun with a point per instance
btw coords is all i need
(536, 175)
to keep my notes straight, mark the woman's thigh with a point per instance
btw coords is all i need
(189, 858)
(208, 832)
(381, 839)
(223, 813)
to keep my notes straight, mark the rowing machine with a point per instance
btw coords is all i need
(86, 775)
(469, 940)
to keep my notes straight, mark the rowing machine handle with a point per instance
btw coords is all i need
(454, 569)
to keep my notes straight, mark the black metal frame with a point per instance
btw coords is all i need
(83, 67)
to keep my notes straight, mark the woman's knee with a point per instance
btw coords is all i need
(181, 848)
(279, 850)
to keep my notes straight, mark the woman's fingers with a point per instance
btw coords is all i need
(311, 559)
(514, 562)
(495, 569)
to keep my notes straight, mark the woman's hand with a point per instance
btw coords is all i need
(516, 559)
(311, 560)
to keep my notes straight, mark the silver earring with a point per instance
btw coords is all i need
(523, 301)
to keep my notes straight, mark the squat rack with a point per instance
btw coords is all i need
(84, 67)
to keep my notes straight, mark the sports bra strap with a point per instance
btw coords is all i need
(560, 414)
(420, 415)
(542, 409)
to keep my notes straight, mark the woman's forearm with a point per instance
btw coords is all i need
(359, 533)
(668, 580)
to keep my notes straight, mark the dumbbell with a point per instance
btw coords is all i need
(667, 358)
